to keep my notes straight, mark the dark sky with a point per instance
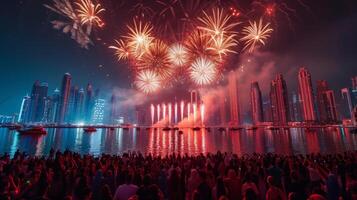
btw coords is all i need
(323, 39)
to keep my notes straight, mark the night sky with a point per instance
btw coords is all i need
(323, 38)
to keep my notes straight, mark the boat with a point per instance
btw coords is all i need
(112, 128)
(137, 128)
(36, 130)
(208, 129)
(166, 129)
(176, 128)
(235, 128)
(252, 128)
(89, 129)
(196, 128)
(148, 128)
(125, 128)
(180, 132)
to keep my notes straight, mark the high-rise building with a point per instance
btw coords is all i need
(98, 111)
(73, 104)
(88, 104)
(25, 109)
(64, 97)
(322, 87)
(256, 103)
(354, 83)
(194, 97)
(329, 97)
(233, 99)
(113, 109)
(48, 110)
(279, 100)
(306, 95)
(346, 95)
(55, 104)
(35, 94)
(295, 104)
(80, 106)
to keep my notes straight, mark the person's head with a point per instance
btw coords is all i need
(292, 196)
(147, 180)
(203, 176)
(250, 194)
(270, 180)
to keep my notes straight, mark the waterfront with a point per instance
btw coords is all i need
(293, 141)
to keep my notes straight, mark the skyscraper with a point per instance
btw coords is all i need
(295, 110)
(322, 87)
(233, 99)
(35, 94)
(346, 95)
(354, 83)
(279, 100)
(80, 106)
(24, 110)
(73, 104)
(256, 103)
(306, 95)
(113, 111)
(98, 111)
(88, 104)
(329, 97)
(64, 97)
(55, 105)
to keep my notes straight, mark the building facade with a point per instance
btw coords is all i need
(306, 95)
(256, 103)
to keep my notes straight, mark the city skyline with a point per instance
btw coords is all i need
(45, 53)
(73, 104)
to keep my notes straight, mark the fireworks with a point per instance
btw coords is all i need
(147, 81)
(203, 71)
(88, 13)
(139, 38)
(178, 54)
(217, 24)
(157, 59)
(121, 50)
(256, 34)
(75, 19)
(223, 45)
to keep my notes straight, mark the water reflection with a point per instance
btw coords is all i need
(159, 142)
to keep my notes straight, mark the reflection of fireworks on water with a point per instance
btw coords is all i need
(157, 59)
(139, 38)
(178, 54)
(203, 71)
(147, 81)
(88, 13)
(256, 33)
(122, 50)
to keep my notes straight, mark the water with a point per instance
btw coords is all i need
(293, 141)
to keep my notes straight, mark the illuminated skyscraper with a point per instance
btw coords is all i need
(88, 104)
(329, 97)
(354, 83)
(63, 103)
(233, 99)
(72, 104)
(256, 103)
(35, 95)
(306, 95)
(24, 110)
(279, 100)
(295, 110)
(98, 111)
(322, 87)
(55, 105)
(346, 95)
(80, 106)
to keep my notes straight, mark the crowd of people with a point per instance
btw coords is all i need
(215, 176)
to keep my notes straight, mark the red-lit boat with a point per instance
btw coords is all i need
(37, 130)
(89, 129)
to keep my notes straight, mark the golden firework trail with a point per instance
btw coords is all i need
(256, 34)
(203, 71)
(147, 81)
(139, 38)
(122, 50)
(88, 13)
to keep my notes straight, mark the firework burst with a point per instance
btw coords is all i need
(222, 45)
(256, 34)
(71, 23)
(139, 38)
(88, 13)
(157, 59)
(178, 55)
(147, 81)
(122, 51)
(217, 23)
(203, 71)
